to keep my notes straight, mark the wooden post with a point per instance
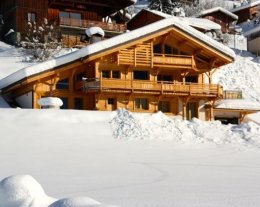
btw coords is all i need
(184, 111)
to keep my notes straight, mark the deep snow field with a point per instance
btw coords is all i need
(125, 159)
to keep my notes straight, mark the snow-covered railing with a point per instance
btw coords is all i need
(90, 23)
(160, 87)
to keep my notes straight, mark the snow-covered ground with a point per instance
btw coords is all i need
(78, 153)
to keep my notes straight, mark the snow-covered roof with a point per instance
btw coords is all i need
(113, 42)
(238, 104)
(218, 9)
(192, 21)
(245, 6)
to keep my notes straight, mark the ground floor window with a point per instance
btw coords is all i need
(141, 103)
(65, 103)
(110, 101)
(164, 106)
(78, 103)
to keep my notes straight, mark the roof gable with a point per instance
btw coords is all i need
(218, 9)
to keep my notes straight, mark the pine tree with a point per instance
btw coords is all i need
(165, 6)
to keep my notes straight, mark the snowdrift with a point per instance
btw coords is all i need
(25, 191)
(127, 125)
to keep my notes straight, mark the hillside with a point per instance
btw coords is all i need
(243, 74)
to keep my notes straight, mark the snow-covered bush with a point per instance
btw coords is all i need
(41, 41)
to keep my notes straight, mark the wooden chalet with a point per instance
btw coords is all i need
(166, 66)
(73, 16)
(221, 16)
(247, 11)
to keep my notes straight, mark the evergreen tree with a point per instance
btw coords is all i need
(165, 6)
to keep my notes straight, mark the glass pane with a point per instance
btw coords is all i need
(65, 103)
(78, 103)
(115, 74)
(105, 73)
(75, 15)
(137, 103)
(141, 75)
(63, 84)
(64, 14)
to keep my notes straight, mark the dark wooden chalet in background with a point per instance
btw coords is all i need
(72, 15)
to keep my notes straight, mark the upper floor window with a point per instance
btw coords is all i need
(63, 84)
(141, 75)
(71, 15)
(31, 17)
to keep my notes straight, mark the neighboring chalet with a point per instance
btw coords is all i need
(222, 17)
(247, 12)
(249, 24)
(146, 16)
(165, 66)
(73, 16)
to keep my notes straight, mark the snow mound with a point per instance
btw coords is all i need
(78, 202)
(95, 31)
(243, 74)
(127, 125)
(50, 101)
(22, 191)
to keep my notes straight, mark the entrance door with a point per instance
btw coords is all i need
(192, 110)
(111, 104)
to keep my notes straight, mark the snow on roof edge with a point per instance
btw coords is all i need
(208, 11)
(237, 104)
(112, 42)
(245, 6)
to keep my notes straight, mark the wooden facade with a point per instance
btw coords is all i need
(163, 71)
(73, 16)
(246, 12)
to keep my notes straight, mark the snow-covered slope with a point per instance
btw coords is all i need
(243, 74)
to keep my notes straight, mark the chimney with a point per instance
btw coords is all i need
(95, 34)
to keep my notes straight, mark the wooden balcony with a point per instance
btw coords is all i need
(142, 55)
(156, 88)
(89, 23)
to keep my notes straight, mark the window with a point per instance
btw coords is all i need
(65, 103)
(191, 79)
(105, 74)
(110, 101)
(167, 49)
(63, 84)
(31, 17)
(141, 103)
(175, 51)
(164, 78)
(157, 48)
(141, 75)
(80, 76)
(164, 106)
(70, 15)
(115, 74)
(78, 103)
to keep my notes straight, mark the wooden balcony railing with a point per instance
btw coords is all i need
(178, 60)
(142, 56)
(89, 23)
(163, 87)
(232, 94)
